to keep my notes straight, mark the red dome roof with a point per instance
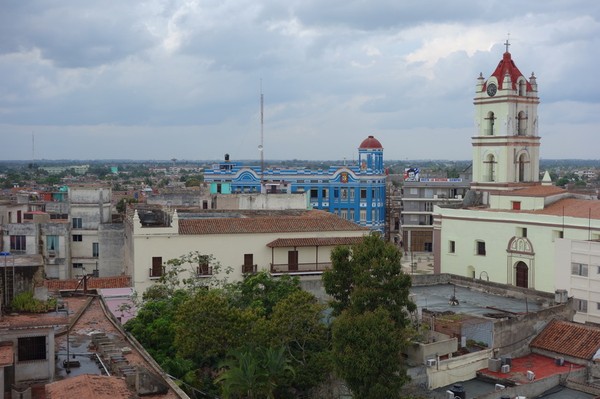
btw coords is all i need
(507, 67)
(371, 143)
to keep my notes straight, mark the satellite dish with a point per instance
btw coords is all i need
(260, 148)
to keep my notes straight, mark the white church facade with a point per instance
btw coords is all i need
(510, 225)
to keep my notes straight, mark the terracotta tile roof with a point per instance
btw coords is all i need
(572, 207)
(534, 191)
(306, 221)
(567, 338)
(6, 354)
(89, 386)
(313, 242)
(93, 283)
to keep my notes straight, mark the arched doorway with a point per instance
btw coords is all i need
(522, 275)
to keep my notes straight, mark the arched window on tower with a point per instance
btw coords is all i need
(521, 164)
(522, 124)
(489, 128)
(522, 86)
(490, 162)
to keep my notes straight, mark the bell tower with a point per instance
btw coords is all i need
(506, 144)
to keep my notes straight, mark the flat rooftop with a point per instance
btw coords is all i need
(473, 302)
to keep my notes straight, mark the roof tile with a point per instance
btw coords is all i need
(567, 338)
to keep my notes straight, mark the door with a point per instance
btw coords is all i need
(248, 263)
(522, 275)
(293, 261)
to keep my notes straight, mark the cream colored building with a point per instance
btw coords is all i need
(297, 242)
(577, 264)
(507, 228)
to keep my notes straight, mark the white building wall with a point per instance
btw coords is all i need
(228, 249)
(496, 228)
(569, 254)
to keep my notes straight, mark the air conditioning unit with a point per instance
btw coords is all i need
(560, 361)
(530, 375)
(561, 296)
(494, 365)
(499, 387)
(505, 369)
(431, 362)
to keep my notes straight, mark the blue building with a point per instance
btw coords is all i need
(354, 192)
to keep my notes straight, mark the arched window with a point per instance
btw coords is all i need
(490, 160)
(522, 86)
(489, 128)
(522, 124)
(522, 161)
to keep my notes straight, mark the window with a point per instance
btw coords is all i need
(344, 193)
(248, 266)
(77, 238)
(516, 205)
(597, 305)
(557, 234)
(77, 265)
(32, 348)
(314, 193)
(579, 269)
(157, 267)
(480, 248)
(451, 247)
(77, 223)
(363, 193)
(344, 214)
(581, 305)
(429, 207)
(363, 215)
(18, 243)
(59, 216)
(522, 232)
(52, 245)
(95, 249)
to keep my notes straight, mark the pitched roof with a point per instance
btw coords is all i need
(567, 338)
(313, 242)
(507, 66)
(572, 207)
(270, 222)
(89, 386)
(533, 191)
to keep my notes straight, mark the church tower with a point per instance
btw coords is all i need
(506, 144)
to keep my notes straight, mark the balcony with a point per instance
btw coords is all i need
(204, 271)
(249, 269)
(299, 268)
(155, 273)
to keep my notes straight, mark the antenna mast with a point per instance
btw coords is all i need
(260, 147)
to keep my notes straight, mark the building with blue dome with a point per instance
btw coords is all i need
(354, 192)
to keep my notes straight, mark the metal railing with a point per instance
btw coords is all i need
(300, 267)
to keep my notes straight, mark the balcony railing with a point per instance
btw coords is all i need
(300, 268)
(204, 271)
(155, 273)
(249, 269)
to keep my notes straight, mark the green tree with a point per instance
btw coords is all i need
(254, 373)
(262, 292)
(207, 326)
(297, 324)
(366, 353)
(368, 276)
(371, 301)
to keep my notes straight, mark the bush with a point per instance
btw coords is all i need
(25, 302)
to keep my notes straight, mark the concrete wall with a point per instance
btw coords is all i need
(461, 368)
(111, 241)
(37, 369)
(418, 352)
(512, 336)
(535, 388)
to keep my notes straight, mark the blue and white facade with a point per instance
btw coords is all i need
(354, 192)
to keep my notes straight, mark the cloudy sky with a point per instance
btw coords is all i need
(163, 79)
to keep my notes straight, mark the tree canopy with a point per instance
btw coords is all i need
(370, 299)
